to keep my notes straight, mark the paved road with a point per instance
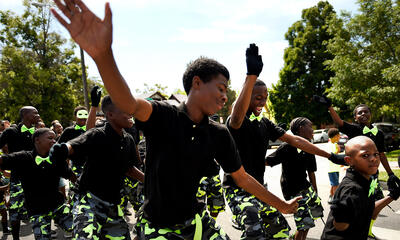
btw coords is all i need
(386, 227)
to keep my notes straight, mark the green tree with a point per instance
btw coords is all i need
(37, 67)
(367, 49)
(227, 109)
(304, 73)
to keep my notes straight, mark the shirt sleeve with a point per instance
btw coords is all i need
(13, 160)
(159, 117)
(274, 131)
(349, 129)
(81, 145)
(344, 209)
(278, 156)
(227, 154)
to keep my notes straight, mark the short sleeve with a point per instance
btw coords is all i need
(278, 156)
(159, 116)
(344, 208)
(349, 129)
(227, 154)
(81, 145)
(12, 160)
(274, 131)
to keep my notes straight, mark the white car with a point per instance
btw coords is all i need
(320, 136)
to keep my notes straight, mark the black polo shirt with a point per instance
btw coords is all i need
(252, 139)
(16, 141)
(294, 168)
(351, 205)
(179, 153)
(355, 129)
(40, 182)
(68, 134)
(109, 156)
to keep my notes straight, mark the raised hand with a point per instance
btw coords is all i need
(324, 100)
(95, 96)
(253, 60)
(91, 33)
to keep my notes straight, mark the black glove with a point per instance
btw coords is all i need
(58, 152)
(324, 100)
(253, 60)
(95, 95)
(337, 159)
(393, 186)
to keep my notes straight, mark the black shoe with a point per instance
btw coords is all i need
(7, 231)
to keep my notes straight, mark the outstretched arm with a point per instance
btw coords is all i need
(254, 68)
(249, 184)
(304, 145)
(380, 204)
(135, 174)
(326, 102)
(335, 116)
(95, 37)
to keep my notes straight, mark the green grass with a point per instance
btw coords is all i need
(383, 176)
(393, 155)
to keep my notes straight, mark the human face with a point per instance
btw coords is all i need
(119, 118)
(45, 141)
(259, 97)
(212, 94)
(365, 160)
(81, 121)
(32, 116)
(306, 131)
(58, 128)
(363, 115)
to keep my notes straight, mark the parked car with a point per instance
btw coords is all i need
(392, 134)
(320, 136)
(342, 141)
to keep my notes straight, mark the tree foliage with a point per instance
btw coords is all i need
(227, 109)
(367, 50)
(304, 73)
(37, 66)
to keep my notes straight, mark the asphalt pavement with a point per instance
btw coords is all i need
(387, 226)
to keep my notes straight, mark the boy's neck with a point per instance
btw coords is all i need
(27, 124)
(41, 152)
(116, 128)
(333, 140)
(193, 110)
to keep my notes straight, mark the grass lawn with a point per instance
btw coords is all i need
(384, 177)
(393, 155)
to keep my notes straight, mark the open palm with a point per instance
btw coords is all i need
(91, 33)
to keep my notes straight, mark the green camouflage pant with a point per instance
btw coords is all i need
(17, 203)
(310, 209)
(210, 191)
(132, 192)
(98, 219)
(202, 226)
(41, 224)
(254, 218)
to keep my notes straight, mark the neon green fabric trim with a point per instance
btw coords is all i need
(373, 130)
(199, 228)
(254, 117)
(77, 127)
(114, 238)
(373, 186)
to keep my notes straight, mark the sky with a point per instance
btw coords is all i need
(154, 40)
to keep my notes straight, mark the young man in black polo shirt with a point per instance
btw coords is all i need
(19, 138)
(110, 154)
(173, 167)
(363, 127)
(354, 204)
(40, 178)
(252, 133)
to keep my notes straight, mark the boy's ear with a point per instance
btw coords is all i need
(196, 82)
(348, 160)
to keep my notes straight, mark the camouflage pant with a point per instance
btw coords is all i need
(256, 219)
(3, 182)
(41, 224)
(132, 192)
(310, 208)
(17, 203)
(202, 226)
(98, 219)
(210, 191)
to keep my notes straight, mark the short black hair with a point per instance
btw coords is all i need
(24, 110)
(259, 83)
(40, 132)
(205, 68)
(333, 132)
(358, 106)
(107, 104)
(79, 108)
(296, 123)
